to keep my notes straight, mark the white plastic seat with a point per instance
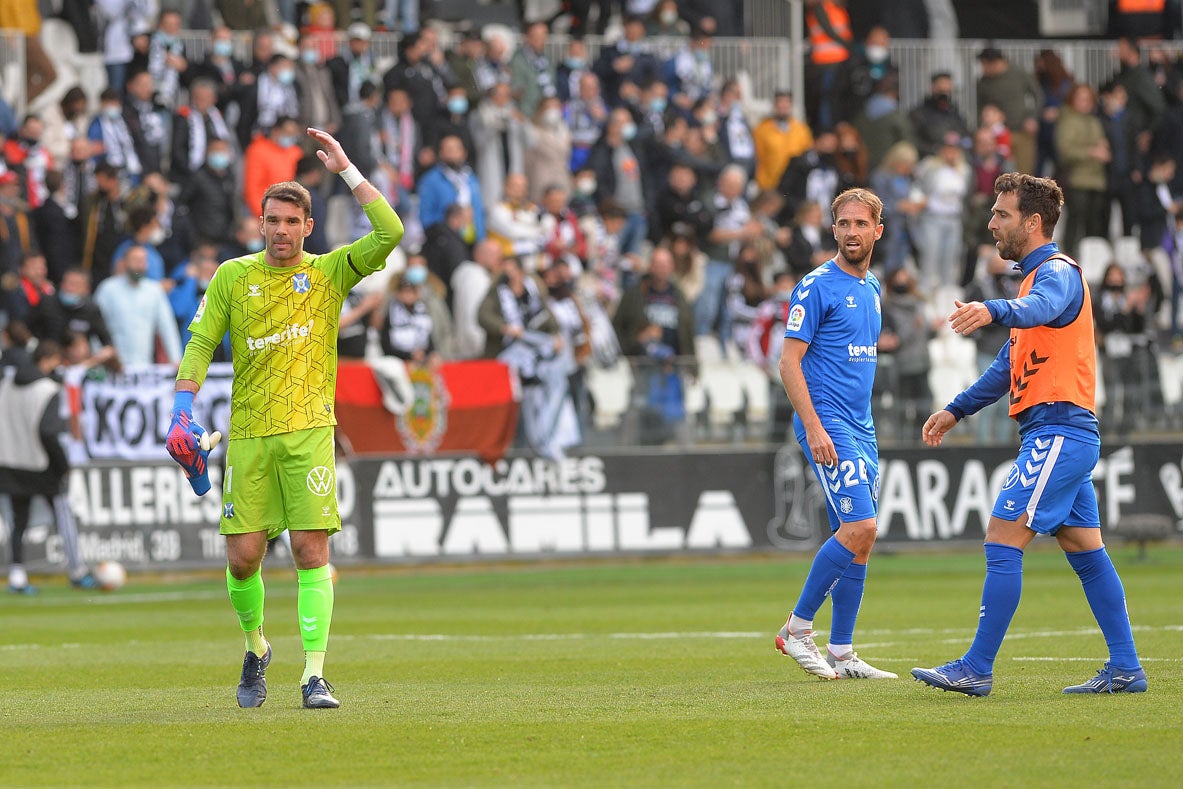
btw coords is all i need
(611, 389)
(708, 348)
(338, 209)
(756, 389)
(1093, 255)
(723, 390)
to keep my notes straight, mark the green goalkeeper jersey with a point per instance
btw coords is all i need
(283, 329)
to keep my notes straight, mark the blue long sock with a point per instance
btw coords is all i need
(1000, 598)
(831, 561)
(1103, 590)
(847, 597)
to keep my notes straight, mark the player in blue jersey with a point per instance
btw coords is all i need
(1048, 367)
(827, 366)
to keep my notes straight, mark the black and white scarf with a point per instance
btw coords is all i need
(410, 327)
(118, 147)
(199, 136)
(511, 305)
(275, 99)
(461, 181)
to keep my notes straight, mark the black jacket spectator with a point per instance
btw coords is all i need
(211, 198)
(444, 249)
(52, 319)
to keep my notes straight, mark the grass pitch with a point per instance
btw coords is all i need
(655, 673)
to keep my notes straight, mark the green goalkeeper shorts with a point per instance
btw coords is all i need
(286, 481)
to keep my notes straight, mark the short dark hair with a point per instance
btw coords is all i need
(1037, 196)
(45, 349)
(106, 169)
(288, 192)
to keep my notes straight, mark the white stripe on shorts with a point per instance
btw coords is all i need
(1048, 466)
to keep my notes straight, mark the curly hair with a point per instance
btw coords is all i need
(1037, 196)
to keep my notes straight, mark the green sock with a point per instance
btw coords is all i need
(246, 596)
(315, 607)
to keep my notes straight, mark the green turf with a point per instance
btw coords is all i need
(623, 674)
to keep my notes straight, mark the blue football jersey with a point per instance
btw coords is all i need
(839, 315)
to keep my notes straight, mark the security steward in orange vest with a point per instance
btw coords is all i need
(1048, 370)
(830, 44)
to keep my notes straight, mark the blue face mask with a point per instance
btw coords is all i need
(286, 140)
(416, 275)
(457, 105)
(286, 77)
(575, 63)
(70, 299)
(223, 49)
(218, 161)
(628, 131)
(111, 113)
(310, 56)
(657, 104)
(255, 245)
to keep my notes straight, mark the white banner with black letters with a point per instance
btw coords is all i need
(126, 416)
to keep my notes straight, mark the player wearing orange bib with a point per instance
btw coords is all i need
(1048, 371)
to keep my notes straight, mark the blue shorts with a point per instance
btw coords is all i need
(851, 486)
(1052, 481)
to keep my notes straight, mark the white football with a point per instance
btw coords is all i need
(110, 575)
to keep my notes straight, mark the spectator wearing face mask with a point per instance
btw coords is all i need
(273, 97)
(146, 120)
(146, 234)
(548, 150)
(867, 65)
(211, 196)
(499, 130)
(192, 280)
(137, 312)
(248, 239)
(112, 136)
(71, 310)
(269, 160)
(937, 115)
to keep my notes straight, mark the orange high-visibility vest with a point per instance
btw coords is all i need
(824, 50)
(1141, 6)
(1054, 365)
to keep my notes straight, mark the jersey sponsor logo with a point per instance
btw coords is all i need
(796, 318)
(301, 283)
(289, 333)
(200, 311)
(862, 353)
(320, 481)
(228, 510)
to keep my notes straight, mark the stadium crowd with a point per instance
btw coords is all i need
(565, 212)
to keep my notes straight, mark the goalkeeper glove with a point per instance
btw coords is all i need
(189, 444)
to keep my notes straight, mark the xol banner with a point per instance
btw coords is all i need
(126, 416)
(437, 508)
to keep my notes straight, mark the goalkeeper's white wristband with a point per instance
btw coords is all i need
(351, 176)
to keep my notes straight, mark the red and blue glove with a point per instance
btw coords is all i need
(189, 444)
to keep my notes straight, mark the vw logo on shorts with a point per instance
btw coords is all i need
(320, 481)
(1012, 476)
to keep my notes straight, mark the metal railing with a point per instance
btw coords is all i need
(764, 61)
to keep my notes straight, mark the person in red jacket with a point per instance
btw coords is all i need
(270, 159)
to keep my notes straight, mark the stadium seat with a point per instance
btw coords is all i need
(708, 348)
(725, 394)
(756, 390)
(337, 220)
(1127, 251)
(1170, 373)
(611, 390)
(1093, 255)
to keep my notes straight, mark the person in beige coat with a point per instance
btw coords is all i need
(1083, 153)
(548, 150)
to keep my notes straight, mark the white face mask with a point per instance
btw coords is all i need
(876, 53)
(552, 116)
(157, 236)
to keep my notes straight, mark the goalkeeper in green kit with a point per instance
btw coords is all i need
(281, 307)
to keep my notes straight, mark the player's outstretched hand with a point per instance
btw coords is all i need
(968, 318)
(331, 153)
(936, 426)
(189, 444)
